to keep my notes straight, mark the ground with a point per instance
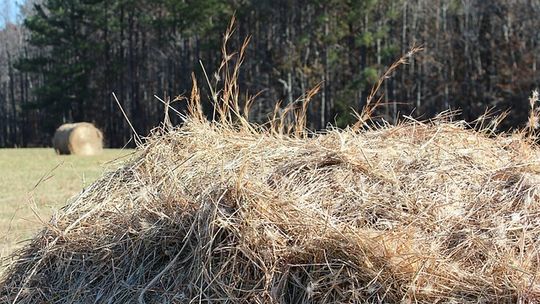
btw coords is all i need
(34, 183)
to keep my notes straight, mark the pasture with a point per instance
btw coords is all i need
(36, 182)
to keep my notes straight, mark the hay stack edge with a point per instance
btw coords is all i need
(80, 138)
(227, 211)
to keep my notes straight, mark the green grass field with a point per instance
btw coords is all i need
(36, 182)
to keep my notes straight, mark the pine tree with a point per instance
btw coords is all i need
(63, 31)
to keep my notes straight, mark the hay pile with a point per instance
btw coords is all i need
(213, 212)
(78, 138)
(228, 211)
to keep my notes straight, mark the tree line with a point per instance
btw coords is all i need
(64, 60)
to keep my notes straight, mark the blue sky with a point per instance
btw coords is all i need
(13, 9)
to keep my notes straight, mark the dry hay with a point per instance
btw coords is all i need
(210, 212)
(78, 138)
(230, 212)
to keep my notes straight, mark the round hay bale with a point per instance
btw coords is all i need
(80, 138)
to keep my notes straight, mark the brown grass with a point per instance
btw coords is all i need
(227, 211)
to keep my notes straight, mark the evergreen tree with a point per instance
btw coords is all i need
(63, 30)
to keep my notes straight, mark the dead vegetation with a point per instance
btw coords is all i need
(227, 211)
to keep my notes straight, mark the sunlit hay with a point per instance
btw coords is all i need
(227, 211)
(422, 212)
(78, 138)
